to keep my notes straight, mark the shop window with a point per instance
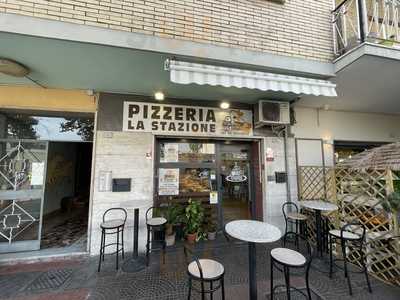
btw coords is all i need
(187, 152)
(23, 126)
(195, 180)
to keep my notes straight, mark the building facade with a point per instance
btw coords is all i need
(105, 60)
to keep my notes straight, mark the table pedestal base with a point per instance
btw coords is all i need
(252, 272)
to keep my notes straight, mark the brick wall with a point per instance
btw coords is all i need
(299, 28)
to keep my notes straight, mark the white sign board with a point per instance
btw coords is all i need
(180, 120)
(214, 197)
(37, 173)
(171, 152)
(168, 182)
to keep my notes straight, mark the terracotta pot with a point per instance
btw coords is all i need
(211, 236)
(191, 237)
(170, 239)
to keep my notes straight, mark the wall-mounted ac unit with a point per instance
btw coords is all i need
(268, 112)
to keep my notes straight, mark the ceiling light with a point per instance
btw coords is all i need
(12, 68)
(159, 96)
(224, 105)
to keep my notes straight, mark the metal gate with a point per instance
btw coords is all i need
(22, 183)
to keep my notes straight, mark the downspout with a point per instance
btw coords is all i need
(285, 149)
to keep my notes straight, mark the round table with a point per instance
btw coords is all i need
(253, 232)
(318, 206)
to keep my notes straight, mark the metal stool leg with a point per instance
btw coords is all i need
(272, 278)
(330, 257)
(101, 251)
(287, 281)
(164, 247)
(122, 240)
(211, 293)
(117, 253)
(308, 286)
(223, 288)
(366, 273)
(203, 294)
(190, 288)
(148, 246)
(346, 273)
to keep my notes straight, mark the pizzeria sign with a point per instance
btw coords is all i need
(179, 119)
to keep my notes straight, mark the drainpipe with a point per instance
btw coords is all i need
(285, 149)
(362, 14)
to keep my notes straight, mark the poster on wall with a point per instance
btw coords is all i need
(192, 120)
(168, 182)
(171, 152)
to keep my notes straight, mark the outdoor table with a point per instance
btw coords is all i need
(253, 232)
(318, 206)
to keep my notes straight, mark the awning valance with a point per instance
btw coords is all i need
(186, 73)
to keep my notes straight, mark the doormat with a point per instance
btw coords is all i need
(66, 233)
(280, 293)
(52, 279)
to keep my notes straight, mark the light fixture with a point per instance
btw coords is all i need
(12, 68)
(224, 105)
(159, 96)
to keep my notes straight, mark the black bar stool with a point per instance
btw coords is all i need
(154, 225)
(111, 227)
(352, 234)
(292, 216)
(205, 271)
(284, 259)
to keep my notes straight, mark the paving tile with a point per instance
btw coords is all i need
(169, 281)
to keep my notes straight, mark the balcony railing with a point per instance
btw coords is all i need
(359, 21)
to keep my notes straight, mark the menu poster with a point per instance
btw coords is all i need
(168, 182)
(171, 152)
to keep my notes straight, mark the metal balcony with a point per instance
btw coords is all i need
(366, 21)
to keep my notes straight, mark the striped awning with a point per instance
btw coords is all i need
(186, 73)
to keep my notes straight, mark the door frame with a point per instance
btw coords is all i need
(255, 202)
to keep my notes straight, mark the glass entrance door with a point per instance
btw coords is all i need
(22, 181)
(234, 181)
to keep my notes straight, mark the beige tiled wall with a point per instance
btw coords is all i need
(299, 28)
(124, 154)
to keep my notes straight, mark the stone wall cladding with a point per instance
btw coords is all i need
(298, 28)
(122, 153)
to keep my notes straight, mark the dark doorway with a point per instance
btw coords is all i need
(66, 197)
(234, 171)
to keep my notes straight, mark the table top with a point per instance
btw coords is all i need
(319, 205)
(253, 231)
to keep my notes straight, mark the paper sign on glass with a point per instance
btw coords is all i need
(37, 173)
(168, 182)
(213, 197)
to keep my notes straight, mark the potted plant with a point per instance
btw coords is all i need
(173, 215)
(212, 231)
(391, 204)
(194, 214)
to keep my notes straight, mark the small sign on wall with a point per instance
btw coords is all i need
(105, 181)
(269, 154)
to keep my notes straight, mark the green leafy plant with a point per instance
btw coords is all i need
(194, 215)
(391, 203)
(174, 215)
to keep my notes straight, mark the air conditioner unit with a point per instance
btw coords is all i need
(268, 112)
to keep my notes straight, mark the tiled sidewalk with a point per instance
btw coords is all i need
(78, 279)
